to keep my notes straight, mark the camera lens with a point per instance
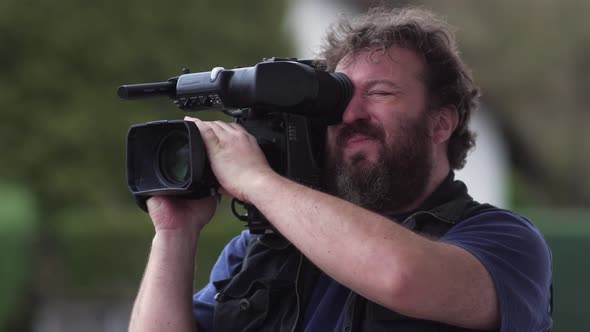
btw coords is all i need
(173, 158)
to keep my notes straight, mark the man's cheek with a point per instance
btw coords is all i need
(332, 146)
(330, 138)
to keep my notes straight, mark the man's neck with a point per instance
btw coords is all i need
(437, 176)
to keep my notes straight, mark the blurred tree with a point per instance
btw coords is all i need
(63, 128)
(17, 230)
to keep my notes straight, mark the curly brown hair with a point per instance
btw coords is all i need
(447, 78)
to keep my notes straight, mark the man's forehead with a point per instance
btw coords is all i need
(382, 59)
(368, 55)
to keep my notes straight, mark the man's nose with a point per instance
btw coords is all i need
(355, 111)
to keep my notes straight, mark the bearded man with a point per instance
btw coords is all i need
(395, 244)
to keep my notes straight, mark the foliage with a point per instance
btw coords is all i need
(63, 128)
(109, 259)
(17, 230)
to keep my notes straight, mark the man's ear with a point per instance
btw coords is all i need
(445, 120)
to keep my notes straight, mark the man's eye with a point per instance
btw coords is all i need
(380, 93)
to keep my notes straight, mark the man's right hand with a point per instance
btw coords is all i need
(175, 213)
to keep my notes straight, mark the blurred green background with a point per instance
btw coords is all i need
(72, 243)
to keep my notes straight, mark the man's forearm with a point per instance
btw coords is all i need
(379, 259)
(356, 247)
(164, 299)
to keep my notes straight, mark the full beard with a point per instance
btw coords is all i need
(393, 183)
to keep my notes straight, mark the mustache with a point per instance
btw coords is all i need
(360, 128)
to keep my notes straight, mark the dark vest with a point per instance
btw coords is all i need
(271, 291)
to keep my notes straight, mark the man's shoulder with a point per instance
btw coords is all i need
(498, 218)
(504, 235)
(501, 231)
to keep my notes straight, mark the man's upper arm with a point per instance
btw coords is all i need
(518, 261)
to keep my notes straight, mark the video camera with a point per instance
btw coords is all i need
(286, 104)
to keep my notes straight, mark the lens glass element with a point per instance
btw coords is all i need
(173, 158)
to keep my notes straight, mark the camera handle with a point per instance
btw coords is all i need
(255, 221)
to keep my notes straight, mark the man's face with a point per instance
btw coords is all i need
(380, 156)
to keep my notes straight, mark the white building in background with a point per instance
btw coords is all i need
(486, 172)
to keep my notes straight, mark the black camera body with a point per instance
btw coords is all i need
(285, 104)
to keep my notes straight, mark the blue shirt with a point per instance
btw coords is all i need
(509, 246)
